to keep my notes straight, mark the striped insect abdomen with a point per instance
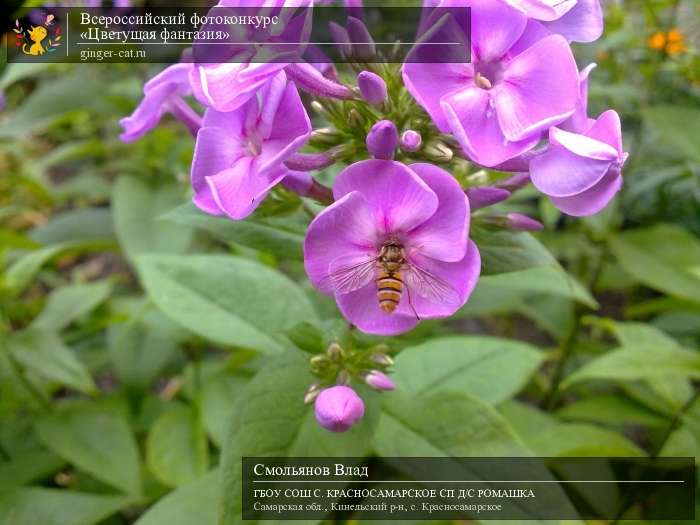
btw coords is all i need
(389, 289)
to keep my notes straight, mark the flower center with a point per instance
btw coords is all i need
(482, 82)
(487, 74)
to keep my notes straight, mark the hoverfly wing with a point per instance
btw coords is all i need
(351, 276)
(429, 286)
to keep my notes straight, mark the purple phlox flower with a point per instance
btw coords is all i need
(382, 139)
(411, 140)
(522, 80)
(582, 172)
(338, 408)
(226, 77)
(379, 380)
(581, 168)
(372, 87)
(418, 210)
(239, 156)
(576, 20)
(163, 92)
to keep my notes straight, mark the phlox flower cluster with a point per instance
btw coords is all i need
(392, 245)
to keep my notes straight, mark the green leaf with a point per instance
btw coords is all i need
(547, 279)
(141, 346)
(52, 100)
(68, 303)
(614, 410)
(280, 236)
(443, 424)
(661, 257)
(26, 466)
(137, 209)
(34, 505)
(194, 503)
(229, 300)
(43, 352)
(639, 362)
(504, 251)
(271, 419)
(176, 449)
(580, 440)
(486, 367)
(95, 438)
(22, 271)
(218, 394)
(76, 225)
(677, 127)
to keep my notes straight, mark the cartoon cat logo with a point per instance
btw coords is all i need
(31, 41)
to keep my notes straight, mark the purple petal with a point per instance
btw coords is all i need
(461, 276)
(540, 89)
(562, 173)
(587, 145)
(608, 129)
(546, 10)
(239, 190)
(361, 308)
(226, 87)
(172, 81)
(214, 152)
(584, 23)
(444, 235)
(289, 130)
(346, 228)
(429, 83)
(400, 199)
(476, 127)
(592, 200)
(495, 28)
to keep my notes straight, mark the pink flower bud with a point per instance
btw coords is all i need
(379, 381)
(411, 140)
(520, 222)
(382, 139)
(486, 196)
(338, 408)
(372, 87)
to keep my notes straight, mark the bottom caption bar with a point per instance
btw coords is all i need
(468, 488)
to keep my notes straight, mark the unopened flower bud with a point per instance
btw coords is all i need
(343, 378)
(486, 196)
(362, 42)
(515, 182)
(411, 140)
(355, 119)
(382, 359)
(312, 393)
(382, 139)
(438, 152)
(379, 380)
(520, 222)
(338, 408)
(335, 352)
(318, 362)
(324, 136)
(318, 107)
(372, 87)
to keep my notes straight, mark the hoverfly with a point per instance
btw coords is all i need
(393, 273)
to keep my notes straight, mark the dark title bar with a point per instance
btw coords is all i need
(469, 488)
(319, 34)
